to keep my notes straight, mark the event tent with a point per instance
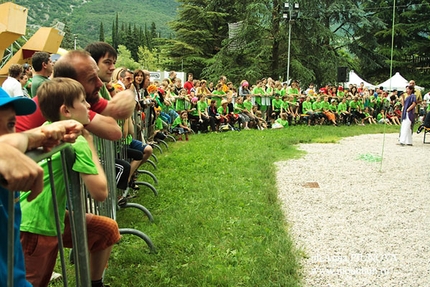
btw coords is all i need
(356, 80)
(397, 82)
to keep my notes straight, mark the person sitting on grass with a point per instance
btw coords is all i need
(180, 125)
(368, 117)
(382, 119)
(281, 122)
(262, 124)
(277, 104)
(240, 110)
(61, 99)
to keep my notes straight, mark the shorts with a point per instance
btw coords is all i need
(40, 251)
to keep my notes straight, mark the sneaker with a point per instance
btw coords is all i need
(133, 185)
(420, 129)
(56, 277)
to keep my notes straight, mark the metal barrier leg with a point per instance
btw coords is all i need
(147, 184)
(164, 144)
(138, 206)
(157, 147)
(142, 171)
(154, 157)
(141, 235)
(151, 163)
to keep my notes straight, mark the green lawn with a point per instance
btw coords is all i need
(218, 221)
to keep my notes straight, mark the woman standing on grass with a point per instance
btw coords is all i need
(408, 116)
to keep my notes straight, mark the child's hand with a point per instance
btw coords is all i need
(51, 135)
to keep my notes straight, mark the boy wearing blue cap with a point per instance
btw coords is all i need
(19, 172)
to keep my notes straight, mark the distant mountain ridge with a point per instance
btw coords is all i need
(83, 17)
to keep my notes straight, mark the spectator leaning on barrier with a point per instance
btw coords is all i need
(79, 66)
(19, 172)
(61, 99)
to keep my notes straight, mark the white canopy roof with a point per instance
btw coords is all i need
(397, 82)
(356, 80)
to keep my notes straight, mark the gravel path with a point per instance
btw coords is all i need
(359, 224)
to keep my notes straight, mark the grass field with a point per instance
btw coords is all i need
(218, 221)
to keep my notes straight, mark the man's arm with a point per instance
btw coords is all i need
(121, 106)
(104, 127)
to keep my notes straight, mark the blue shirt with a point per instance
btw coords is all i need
(19, 267)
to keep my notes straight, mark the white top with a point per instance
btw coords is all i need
(13, 87)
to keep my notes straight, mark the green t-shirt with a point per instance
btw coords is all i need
(293, 91)
(316, 106)
(325, 106)
(306, 106)
(285, 105)
(353, 105)
(180, 104)
(342, 107)
(36, 82)
(218, 97)
(247, 105)
(277, 104)
(104, 93)
(258, 91)
(202, 106)
(158, 124)
(238, 106)
(176, 122)
(38, 215)
(221, 110)
(284, 123)
(332, 108)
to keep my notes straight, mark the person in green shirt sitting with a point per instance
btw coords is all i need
(344, 114)
(180, 125)
(281, 122)
(277, 104)
(307, 109)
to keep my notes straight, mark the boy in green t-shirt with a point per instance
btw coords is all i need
(277, 105)
(60, 99)
(181, 126)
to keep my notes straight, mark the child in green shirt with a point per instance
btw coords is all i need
(60, 99)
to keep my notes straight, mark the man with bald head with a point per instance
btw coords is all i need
(80, 66)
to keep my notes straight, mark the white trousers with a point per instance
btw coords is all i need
(406, 131)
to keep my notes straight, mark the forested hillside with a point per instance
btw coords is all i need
(83, 17)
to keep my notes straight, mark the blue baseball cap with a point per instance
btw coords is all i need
(22, 105)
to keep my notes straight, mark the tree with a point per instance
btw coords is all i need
(148, 59)
(124, 59)
(102, 33)
(68, 39)
(200, 30)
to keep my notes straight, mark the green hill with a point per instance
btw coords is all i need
(83, 17)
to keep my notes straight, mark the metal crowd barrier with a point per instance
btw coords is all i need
(76, 206)
(107, 154)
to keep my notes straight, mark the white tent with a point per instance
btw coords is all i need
(356, 80)
(397, 82)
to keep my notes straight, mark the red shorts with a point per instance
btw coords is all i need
(40, 251)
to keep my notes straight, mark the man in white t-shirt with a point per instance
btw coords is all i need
(11, 85)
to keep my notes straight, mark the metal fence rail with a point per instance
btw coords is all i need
(76, 206)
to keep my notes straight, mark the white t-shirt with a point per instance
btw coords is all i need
(13, 87)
